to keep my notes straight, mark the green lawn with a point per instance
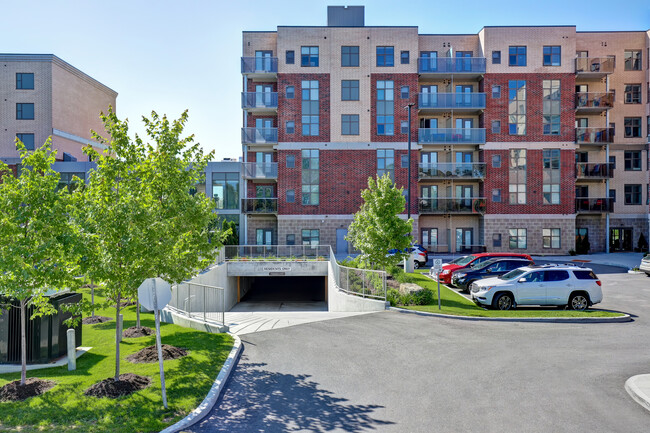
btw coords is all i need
(455, 304)
(66, 408)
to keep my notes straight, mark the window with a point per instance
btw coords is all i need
(551, 176)
(496, 127)
(404, 92)
(68, 181)
(612, 160)
(225, 190)
(612, 195)
(27, 140)
(311, 237)
(496, 239)
(551, 238)
(385, 56)
(633, 93)
(290, 126)
(310, 110)
(496, 92)
(551, 107)
(404, 126)
(404, 57)
(291, 239)
(290, 57)
(632, 160)
(349, 90)
(496, 161)
(310, 177)
(405, 161)
(496, 57)
(517, 56)
(25, 111)
(290, 92)
(632, 60)
(632, 194)
(517, 239)
(349, 124)
(291, 196)
(349, 56)
(309, 57)
(517, 176)
(385, 108)
(24, 81)
(291, 161)
(496, 195)
(552, 55)
(386, 163)
(632, 127)
(517, 107)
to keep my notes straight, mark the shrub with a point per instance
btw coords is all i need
(423, 297)
(393, 297)
(572, 252)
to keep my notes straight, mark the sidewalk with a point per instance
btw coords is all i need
(639, 389)
(626, 260)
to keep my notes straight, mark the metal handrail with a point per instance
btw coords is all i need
(276, 253)
(359, 282)
(474, 170)
(210, 307)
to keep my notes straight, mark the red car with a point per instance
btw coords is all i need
(473, 259)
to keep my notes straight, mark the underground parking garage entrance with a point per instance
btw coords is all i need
(281, 293)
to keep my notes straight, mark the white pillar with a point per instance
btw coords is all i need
(72, 350)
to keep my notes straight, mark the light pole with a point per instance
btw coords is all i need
(408, 184)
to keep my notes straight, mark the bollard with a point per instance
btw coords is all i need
(72, 350)
(120, 322)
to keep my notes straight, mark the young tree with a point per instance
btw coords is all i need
(377, 226)
(36, 237)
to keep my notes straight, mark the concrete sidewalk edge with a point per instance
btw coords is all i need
(621, 319)
(639, 389)
(217, 387)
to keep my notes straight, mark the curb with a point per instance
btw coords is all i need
(633, 388)
(625, 318)
(211, 399)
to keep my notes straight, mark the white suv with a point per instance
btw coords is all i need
(558, 285)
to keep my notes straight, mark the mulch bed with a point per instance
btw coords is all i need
(135, 332)
(33, 387)
(150, 354)
(128, 384)
(95, 319)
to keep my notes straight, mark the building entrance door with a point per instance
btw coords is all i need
(620, 239)
(341, 243)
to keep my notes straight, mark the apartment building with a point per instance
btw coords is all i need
(42, 96)
(520, 141)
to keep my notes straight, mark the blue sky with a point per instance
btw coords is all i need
(170, 56)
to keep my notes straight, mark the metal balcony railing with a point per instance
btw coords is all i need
(595, 65)
(259, 65)
(594, 205)
(460, 249)
(451, 135)
(252, 100)
(472, 170)
(449, 101)
(589, 170)
(276, 253)
(594, 101)
(447, 205)
(451, 65)
(259, 205)
(259, 135)
(594, 135)
(261, 170)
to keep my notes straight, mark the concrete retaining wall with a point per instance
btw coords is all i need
(279, 269)
(338, 300)
(216, 276)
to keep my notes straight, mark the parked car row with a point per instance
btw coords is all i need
(419, 255)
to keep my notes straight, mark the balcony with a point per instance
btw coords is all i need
(452, 205)
(446, 170)
(599, 136)
(259, 205)
(594, 171)
(593, 102)
(594, 205)
(260, 102)
(451, 136)
(460, 102)
(469, 67)
(259, 67)
(594, 67)
(259, 135)
(260, 170)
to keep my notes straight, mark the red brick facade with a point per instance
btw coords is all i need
(291, 109)
(401, 113)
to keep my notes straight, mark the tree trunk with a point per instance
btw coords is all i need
(137, 313)
(23, 342)
(92, 296)
(117, 338)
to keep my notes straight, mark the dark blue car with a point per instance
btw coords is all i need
(463, 278)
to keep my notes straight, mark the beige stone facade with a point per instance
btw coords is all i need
(497, 230)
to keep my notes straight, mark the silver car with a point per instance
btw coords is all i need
(645, 264)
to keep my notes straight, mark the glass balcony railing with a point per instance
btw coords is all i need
(594, 135)
(261, 170)
(473, 205)
(259, 135)
(451, 135)
(259, 205)
(593, 101)
(589, 170)
(451, 65)
(449, 101)
(251, 100)
(594, 205)
(259, 65)
(471, 170)
(595, 65)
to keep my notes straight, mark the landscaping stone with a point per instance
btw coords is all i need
(13, 391)
(150, 354)
(128, 384)
(406, 288)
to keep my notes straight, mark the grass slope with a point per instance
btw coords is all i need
(66, 408)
